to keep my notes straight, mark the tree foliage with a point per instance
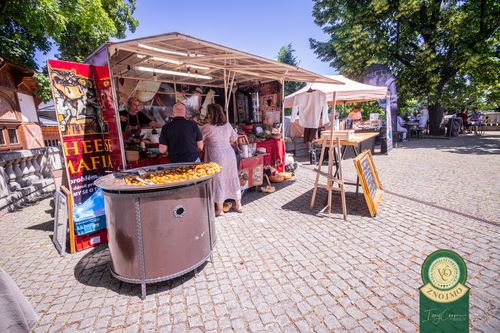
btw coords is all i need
(285, 55)
(43, 91)
(443, 53)
(75, 27)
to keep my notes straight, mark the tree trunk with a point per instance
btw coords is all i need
(435, 118)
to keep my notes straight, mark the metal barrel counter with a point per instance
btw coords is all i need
(160, 226)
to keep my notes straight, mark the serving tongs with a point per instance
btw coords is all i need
(136, 175)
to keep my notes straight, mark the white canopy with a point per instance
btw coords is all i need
(350, 92)
(175, 57)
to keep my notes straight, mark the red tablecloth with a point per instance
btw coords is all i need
(276, 153)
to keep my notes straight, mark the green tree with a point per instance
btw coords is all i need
(75, 28)
(43, 91)
(438, 50)
(285, 55)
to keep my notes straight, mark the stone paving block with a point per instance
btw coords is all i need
(368, 324)
(348, 322)
(389, 327)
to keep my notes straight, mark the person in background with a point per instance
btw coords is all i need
(132, 119)
(424, 117)
(476, 115)
(465, 120)
(475, 118)
(400, 126)
(414, 116)
(219, 135)
(181, 138)
(355, 114)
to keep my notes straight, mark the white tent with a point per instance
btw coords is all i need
(350, 92)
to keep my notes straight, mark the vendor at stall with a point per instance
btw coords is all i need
(355, 114)
(132, 119)
(181, 138)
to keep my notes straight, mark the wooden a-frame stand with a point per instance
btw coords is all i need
(332, 178)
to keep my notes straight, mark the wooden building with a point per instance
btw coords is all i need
(19, 123)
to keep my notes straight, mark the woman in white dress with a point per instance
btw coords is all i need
(218, 135)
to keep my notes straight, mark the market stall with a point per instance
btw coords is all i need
(165, 69)
(341, 135)
(102, 137)
(350, 92)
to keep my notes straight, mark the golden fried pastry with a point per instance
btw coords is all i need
(177, 174)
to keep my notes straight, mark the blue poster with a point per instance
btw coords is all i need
(380, 75)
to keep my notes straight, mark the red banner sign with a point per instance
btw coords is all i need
(86, 114)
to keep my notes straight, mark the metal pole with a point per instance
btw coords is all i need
(225, 94)
(388, 122)
(175, 90)
(230, 82)
(283, 108)
(235, 108)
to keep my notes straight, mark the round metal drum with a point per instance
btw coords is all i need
(158, 232)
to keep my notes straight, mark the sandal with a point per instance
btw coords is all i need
(227, 206)
(238, 210)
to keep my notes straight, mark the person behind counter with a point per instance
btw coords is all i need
(132, 119)
(181, 137)
(355, 114)
(219, 135)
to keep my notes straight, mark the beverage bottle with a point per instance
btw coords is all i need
(337, 122)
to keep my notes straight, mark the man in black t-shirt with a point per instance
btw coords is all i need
(181, 137)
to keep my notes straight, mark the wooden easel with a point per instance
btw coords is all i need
(334, 153)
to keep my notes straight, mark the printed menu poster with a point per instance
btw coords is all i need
(86, 115)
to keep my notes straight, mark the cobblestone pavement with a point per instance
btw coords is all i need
(280, 267)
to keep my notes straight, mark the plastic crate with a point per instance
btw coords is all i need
(90, 240)
(90, 225)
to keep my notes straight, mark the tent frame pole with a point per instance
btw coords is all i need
(225, 92)
(282, 82)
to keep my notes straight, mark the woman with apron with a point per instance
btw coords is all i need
(132, 120)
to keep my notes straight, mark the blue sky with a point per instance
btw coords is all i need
(259, 27)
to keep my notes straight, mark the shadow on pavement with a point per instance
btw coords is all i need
(45, 226)
(94, 270)
(255, 193)
(301, 204)
(487, 144)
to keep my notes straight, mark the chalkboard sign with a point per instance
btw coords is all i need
(60, 222)
(368, 176)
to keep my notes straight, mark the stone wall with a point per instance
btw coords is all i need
(27, 176)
